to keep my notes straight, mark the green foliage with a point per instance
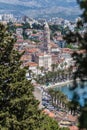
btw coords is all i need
(48, 124)
(55, 28)
(80, 58)
(64, 128)
(83, 6)
(70, 46)
(35, 40)
(18, 107)
(25, 36)
(37, 26)
(26, 25)
(11, 27)
(34, 31)
(83, 118)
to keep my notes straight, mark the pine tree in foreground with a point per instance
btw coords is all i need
(80, 58)
(18, 107)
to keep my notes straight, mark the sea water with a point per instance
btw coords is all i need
(79, 93)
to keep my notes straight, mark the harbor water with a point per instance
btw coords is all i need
(80, 92)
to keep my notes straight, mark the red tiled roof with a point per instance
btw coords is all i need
(33, 50)
(20, 40)
(81, 51)
(17, 24)
(66, 50)
(25, 57)
(72, 118)
(40, 54)
(20, 51)
(73, 128)
(31, 64)
(53, 45)
(50, 114)
(59, 38)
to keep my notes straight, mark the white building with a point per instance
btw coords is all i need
(7, 17)
(44, 60)
(19, 31)
(0, 17)
(32, 70)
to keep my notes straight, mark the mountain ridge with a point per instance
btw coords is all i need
(41, 8)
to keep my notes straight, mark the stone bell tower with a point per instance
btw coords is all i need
(46, 43)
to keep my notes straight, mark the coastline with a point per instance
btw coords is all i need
(59, 84)
(59, 115)
(39, 88)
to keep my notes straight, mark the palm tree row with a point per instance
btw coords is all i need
(57, 75)
(60, 101)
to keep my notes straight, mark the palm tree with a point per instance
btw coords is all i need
(38, 69)
(61, 99)
(64, 101)
(65, 64)
(58, 98)
(52, 94)
(62, 65)
(72, 107)
(56, 66)
(70, 71)
(55, 97)
(62, 73)
(42, 69)
(58, 74)
(53, 67)
(30, 73)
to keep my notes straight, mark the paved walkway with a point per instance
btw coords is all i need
(38, 96)
(58, 84)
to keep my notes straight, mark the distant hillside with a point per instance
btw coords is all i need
(41, 8)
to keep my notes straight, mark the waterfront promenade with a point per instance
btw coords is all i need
(38, 88)
(63, 83)
(58, 84)
(59, 115)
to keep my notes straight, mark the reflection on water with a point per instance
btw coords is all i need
(80, 91)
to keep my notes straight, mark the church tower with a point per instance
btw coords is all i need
(46, 38)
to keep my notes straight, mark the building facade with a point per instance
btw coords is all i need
(44, 60)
